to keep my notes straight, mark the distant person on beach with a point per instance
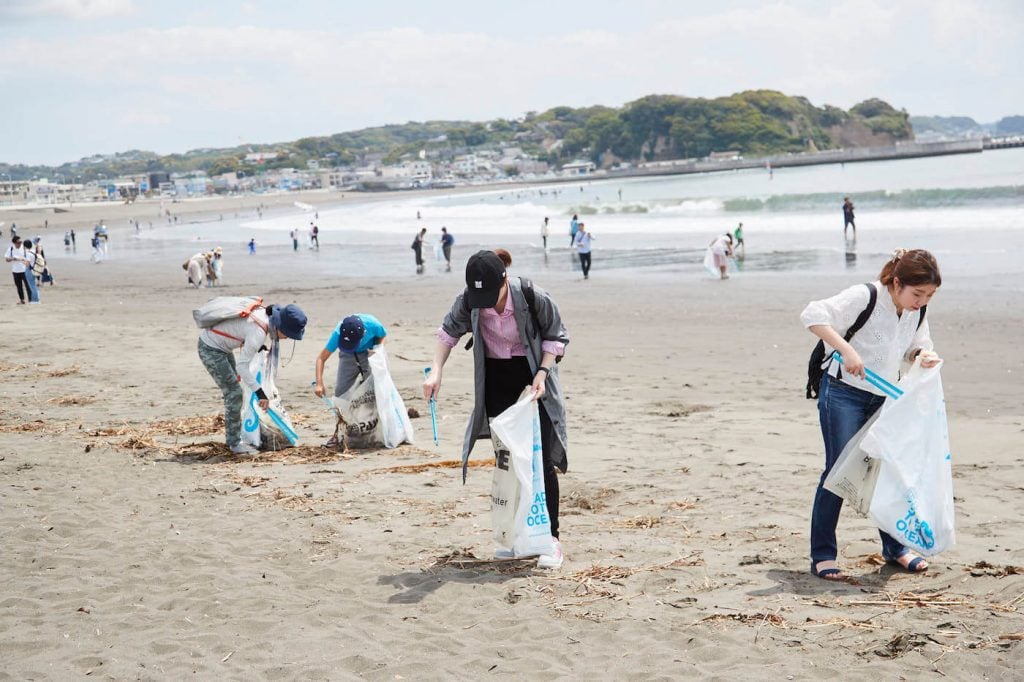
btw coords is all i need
(215, 268)
(97, 252)
(582, 244)
(73, 245)
(17, 256)
(314, 237)
(574, 226)
(895, 332)
(446, 248)
(544, 233)
(252, 246)
(495, 310)
(353, 339)
(295, 240)
(67, 241)
(848, 217)
(30, 273)
(721, 250)
(417, 247)
(738, 235)
(217, 345)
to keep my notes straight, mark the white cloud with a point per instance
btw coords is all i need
(262, 81)
(67, 9)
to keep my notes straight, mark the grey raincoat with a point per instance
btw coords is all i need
(461, 320)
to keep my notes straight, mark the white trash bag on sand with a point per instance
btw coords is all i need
(516, 431)
(374, 412)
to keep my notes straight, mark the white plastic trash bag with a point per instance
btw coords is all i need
(854, 475)
(374, 413)
(395, 427)
(518, 428)
(250, 411)
(913, 498)
(504, 495)
(267, 430)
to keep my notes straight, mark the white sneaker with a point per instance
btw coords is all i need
(553, 560)
(502, 553)
(241, 448)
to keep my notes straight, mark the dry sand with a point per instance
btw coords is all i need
(130, 553)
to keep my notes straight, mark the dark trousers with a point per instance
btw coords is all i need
(842, 410)
(21, 283)
(503, 382)
(585, 264)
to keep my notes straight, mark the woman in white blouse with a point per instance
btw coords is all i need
(895, 333)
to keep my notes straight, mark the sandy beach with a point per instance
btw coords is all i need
(132, 549)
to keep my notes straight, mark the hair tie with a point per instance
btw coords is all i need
(897, 254)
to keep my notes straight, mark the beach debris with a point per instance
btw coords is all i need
(65, 371)
(752, 560)
(682, 410)
(67, 400)
(4, 367)
(914, 599)
(1013, 636)
(773, 619)
(682, 505)
(900, 644)
(23, 427)
(413, 413)
(591, 501)
(645, 522)
(427, 466)
(875, 559)
(984, 568)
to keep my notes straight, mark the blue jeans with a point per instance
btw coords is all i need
(842, 410)
(33, 287)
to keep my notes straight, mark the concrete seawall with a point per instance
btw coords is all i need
(902, 151)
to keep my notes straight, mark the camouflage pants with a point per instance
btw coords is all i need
(221, 366)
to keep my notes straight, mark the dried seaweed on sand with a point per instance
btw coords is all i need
(427, 466)
(772, 619)
(65, 371)
(639, 522)
(66, 400)
(23, 427)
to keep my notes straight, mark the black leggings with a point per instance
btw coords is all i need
(503, 382)
(21, 283)
(585, 264)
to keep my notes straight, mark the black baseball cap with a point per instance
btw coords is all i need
(485, 273)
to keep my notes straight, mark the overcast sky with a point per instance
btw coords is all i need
(81, 77)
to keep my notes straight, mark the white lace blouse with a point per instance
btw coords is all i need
(884, 343)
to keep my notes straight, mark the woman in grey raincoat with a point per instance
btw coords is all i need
(519, 337)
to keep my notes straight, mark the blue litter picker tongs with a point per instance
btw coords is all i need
(433, 409)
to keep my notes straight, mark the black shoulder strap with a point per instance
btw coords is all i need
(920, 320)
(863, 317)
(865, 314)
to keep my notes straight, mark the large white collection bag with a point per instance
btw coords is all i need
(913, 500)
(373, 411)
(270, 430)
(907, 486)
(517, 440)
(395, 427)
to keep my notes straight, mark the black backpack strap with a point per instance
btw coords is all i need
(920, 320)
(862, 318)
(865, 314)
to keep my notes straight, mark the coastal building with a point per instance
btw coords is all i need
(579, 168)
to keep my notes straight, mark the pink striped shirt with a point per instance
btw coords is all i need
(500, 335)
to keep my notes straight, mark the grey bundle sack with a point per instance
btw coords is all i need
(222, 308)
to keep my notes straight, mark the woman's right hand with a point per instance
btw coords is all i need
(319, 390)
(432, 385)
(852, 364)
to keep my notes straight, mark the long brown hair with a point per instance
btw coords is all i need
(914, 268)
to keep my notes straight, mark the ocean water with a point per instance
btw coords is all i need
(968, 209)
